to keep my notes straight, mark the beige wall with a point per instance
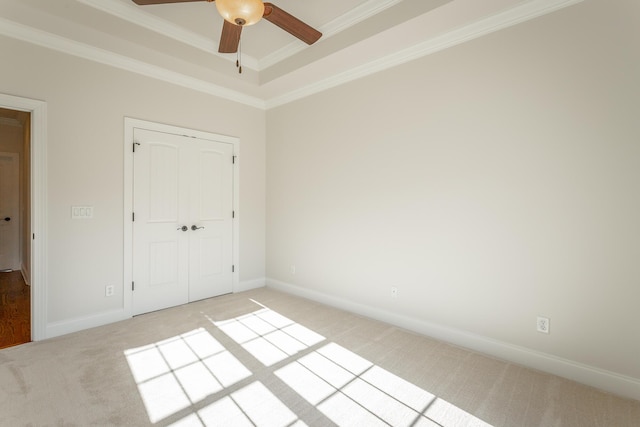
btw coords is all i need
(491, 183)
(86, 106)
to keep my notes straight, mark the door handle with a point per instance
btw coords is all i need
(7, 219)
(194, 228)
(183, 228)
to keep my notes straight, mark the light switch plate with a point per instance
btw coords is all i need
(81, 212)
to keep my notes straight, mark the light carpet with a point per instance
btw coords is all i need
(265, 358)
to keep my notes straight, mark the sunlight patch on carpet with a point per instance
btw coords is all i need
(175, 373)
(252, 405)
(269, 336)
(186, 379)
(351, 391)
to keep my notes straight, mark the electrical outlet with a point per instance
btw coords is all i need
(542, 325)
(292, 269)
(394, 292)
(109, 291)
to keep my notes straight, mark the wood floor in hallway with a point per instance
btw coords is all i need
(15, 310)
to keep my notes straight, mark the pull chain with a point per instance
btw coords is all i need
(239, 57)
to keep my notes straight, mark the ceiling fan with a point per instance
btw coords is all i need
(240, 13)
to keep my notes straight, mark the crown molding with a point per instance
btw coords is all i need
(505, 19)
(364, 11)
(92, 53)
(136, 15)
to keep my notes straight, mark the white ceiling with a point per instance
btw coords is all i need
(179, 42)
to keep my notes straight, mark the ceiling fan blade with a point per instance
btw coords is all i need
(146, 2)
(291, 24)
(230, 38)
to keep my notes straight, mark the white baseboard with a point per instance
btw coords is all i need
(247, 285)
(25, 274)
(599, 378)
(64, 327)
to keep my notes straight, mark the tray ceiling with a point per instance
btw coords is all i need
(179, 42)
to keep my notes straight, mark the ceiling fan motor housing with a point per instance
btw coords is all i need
(241, 12)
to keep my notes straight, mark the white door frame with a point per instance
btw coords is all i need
(129, 125)
(38, 110)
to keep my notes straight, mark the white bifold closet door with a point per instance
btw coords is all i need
(183, 220)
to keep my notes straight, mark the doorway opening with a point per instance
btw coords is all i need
(15, 227)
(34, 205)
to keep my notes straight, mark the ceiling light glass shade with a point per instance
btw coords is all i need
(241, 12)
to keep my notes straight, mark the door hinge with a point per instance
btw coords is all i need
(134, 145)
(233, 214)
(133, 286)
(233, 159)
(133, 216)
(233, 268)
(34, 236)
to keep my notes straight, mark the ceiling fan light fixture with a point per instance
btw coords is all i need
(241, 12)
